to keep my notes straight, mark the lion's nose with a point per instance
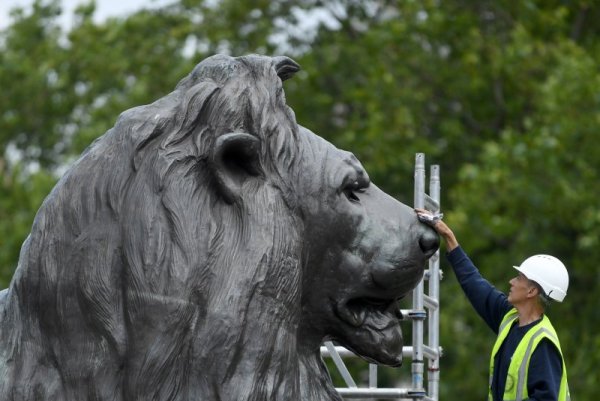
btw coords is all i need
(429, 241)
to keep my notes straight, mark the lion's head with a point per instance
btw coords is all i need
(204, 248)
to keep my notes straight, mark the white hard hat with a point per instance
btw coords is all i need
(549, 272)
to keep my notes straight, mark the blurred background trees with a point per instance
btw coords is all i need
(504, 95)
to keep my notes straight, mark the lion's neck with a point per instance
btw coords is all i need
(261, 368)
(299, 377)
(315, 380)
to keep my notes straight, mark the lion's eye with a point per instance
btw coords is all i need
(351, 195)
(351, 191)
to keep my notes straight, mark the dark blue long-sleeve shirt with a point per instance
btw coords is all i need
(545, 366)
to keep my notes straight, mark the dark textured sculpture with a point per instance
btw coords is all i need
(203, 249)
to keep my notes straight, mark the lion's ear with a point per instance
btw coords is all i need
(285, 67)
(235, 159)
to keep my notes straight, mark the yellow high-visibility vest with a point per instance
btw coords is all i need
(516, 380)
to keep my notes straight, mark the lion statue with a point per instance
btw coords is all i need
(203, 249)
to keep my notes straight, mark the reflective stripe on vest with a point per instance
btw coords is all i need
(519, 365)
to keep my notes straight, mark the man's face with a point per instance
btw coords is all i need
(521, 289)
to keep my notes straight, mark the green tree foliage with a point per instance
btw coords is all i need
(504, 95)
(21, 194)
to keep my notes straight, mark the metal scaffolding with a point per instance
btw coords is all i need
(425, 307)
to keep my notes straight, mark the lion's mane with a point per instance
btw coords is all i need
(139, 282)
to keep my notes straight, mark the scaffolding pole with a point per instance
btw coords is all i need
(418, 292)
(433, 370)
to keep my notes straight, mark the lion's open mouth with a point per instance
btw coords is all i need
(371, 328)
(377, 313)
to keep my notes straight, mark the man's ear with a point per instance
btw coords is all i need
(235, 159)
(533, 291)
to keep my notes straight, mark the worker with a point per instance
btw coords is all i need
(526, 361)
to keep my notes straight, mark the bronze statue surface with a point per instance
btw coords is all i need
(203, 249)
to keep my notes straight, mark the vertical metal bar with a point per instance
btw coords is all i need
(417, 329)
(372, 375)
(433, 376)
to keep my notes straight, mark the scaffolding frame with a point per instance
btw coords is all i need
(425, 307)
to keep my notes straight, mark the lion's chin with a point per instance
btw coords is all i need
(372, 329)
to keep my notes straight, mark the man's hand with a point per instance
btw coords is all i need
(435, 221)
(429, 218)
